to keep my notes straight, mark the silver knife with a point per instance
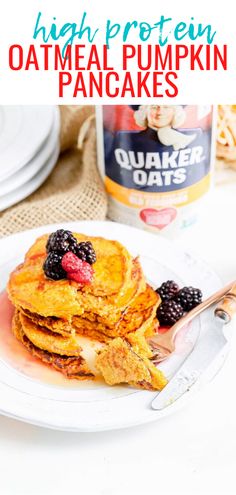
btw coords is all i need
(211, 346)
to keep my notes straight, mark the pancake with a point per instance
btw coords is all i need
(113, 283)
(71, 367)
(48, 341)
(65, 327)
(112, 268)
(138, 340)
(119, 363)
(110, 309)
(52, 323)
(117, 308)
(139, 315)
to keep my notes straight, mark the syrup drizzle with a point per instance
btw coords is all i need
(18, 357)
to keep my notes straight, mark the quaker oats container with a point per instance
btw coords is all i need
(156, 162)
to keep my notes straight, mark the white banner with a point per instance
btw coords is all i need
(116, 52)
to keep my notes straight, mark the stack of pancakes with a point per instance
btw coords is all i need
(117, 309)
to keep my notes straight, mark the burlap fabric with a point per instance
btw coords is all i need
(226, 137)
(74, 190)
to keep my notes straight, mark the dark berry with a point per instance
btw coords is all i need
(168, 290)
(85, 252)
(189, 298)
(61, 242)
(52, 266)
(169, 312)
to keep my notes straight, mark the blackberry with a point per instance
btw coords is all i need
(169, 312)
(189, 297)
(168, 290)
(61, 242)
(85, 252)
(52, 266)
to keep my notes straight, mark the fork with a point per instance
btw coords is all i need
(164, 344)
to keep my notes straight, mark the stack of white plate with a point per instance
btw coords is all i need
(29, 148)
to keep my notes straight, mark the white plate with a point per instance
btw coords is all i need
(90, 406)
(29, 187)
(36, 163)
(23, 130)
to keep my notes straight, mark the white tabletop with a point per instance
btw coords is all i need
(190, 453)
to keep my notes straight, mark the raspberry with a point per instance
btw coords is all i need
(76, 269)
(168, 290)
(71, 263)
(189, 298)
(85, 252)
(52, 267)
(169, 312)
(84, 275)
(61, 242)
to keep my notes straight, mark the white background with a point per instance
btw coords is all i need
(17, 21)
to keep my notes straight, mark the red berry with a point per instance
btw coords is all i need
(84, 275)
(71, 263)
(76, 269)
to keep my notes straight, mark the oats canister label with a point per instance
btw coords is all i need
(156, 162)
